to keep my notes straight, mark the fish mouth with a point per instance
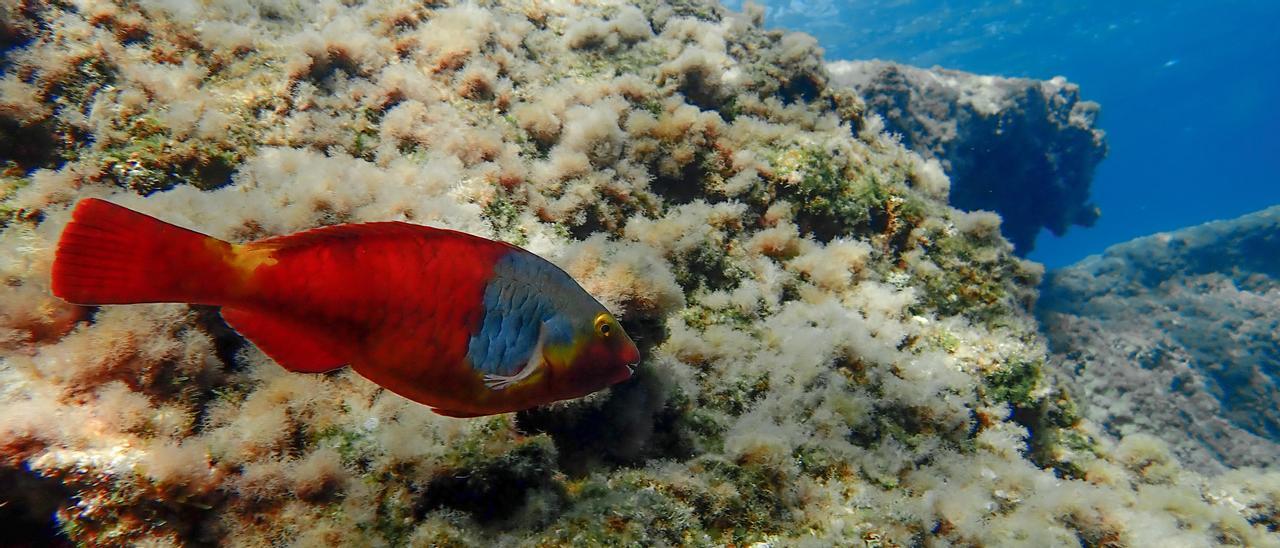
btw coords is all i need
(616, 373)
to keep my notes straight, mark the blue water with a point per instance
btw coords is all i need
(1189, 91)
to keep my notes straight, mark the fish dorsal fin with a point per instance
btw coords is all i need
(331, 233)
(294, 345)
(328, 235)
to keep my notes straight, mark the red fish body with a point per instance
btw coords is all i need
(466, 325)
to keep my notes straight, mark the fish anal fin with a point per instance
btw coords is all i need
(457, 414)
(294, 345)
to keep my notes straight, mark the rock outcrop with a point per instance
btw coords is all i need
(1178, 335)
(1023, 148)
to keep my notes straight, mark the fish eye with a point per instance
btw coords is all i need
(604, 325)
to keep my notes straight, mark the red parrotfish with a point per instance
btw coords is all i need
(463, 324)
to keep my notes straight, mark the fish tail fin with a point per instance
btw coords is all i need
(109, 254)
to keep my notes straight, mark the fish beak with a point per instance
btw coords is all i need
(631, 358)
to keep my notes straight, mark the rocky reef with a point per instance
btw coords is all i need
(833, 355)
(1023, 148)
(1176, 335)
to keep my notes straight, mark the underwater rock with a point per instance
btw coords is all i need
(832, 355)
(1023, 148)
(1177, 335)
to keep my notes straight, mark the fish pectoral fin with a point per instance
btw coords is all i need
(502, 382)
(294, 345)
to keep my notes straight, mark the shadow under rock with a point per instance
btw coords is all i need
(27, 506)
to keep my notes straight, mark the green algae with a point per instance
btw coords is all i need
(503, 214)
(93, 72)
(1016, 382)
(701, 317)
(737, 396)
(8, 187)
(707, 267)
(968, 285)
(830, 203)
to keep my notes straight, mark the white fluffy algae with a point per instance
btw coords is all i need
(832, 355)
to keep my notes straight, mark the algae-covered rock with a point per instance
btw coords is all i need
(832, 355)
(1175, 335)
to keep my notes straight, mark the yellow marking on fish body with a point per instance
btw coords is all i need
(244, 260)
(561, 354)
(247, 258)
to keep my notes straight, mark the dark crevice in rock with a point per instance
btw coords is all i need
(493, 491)
(27, 506)
(29, 147)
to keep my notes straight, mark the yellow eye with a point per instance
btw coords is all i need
(604, 325)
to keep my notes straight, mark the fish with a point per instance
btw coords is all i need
(463, 324)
